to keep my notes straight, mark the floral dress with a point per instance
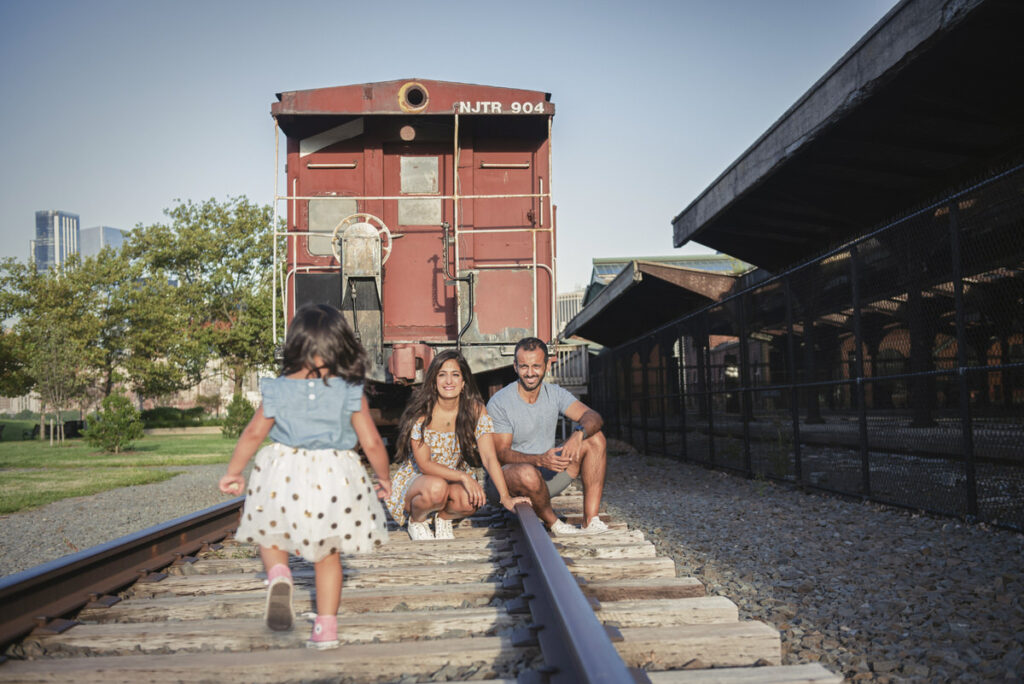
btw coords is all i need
(444, 450)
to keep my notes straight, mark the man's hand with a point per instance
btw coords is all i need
(573, 447)
(554, 459)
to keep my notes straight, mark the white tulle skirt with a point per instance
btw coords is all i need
(311, 502)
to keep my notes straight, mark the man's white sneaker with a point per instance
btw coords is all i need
(561, 528)
(419, 531)
(443, 528)
(595, 526)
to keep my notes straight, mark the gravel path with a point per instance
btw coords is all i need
(878, 594)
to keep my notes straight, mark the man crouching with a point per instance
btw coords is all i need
(525, 415)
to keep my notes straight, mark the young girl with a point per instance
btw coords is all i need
(308, 493)
(444, 430)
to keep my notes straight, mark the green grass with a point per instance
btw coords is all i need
(163, 450)
(22, 489)
(33, 473)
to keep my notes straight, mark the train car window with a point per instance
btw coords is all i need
(324, 215)
(419, 176)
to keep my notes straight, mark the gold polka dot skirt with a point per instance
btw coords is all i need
(311, 503)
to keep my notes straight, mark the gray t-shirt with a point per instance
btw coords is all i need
(532, 426)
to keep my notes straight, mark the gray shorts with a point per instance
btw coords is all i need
(556, 481)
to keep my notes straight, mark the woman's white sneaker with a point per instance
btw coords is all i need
(419, 531)
(443, 528)
(595, 526)
(561, 528)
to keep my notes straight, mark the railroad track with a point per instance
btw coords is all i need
(500, 602)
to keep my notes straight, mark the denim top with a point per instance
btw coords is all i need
(309, 414)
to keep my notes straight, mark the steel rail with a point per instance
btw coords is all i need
(576, 646)
(33, 599)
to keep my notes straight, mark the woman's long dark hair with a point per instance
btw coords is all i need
(424, 398)
(321, 330)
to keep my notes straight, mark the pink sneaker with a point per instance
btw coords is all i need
(278, 612)
(325, 633)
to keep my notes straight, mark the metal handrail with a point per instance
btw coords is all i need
(55, 589)
(575, 644)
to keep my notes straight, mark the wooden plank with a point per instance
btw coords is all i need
(250, 604)
(592, 569)
(619, 535)
(668, 612)
(399, 541)
(609, 550)
(626, 589)
(737, 644)
(812, 673)
(426, 554)
(251, 634)
(480, 657)
(454, 573)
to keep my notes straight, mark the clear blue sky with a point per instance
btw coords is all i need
(115, 108)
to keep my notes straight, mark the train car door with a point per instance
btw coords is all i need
(418, 306)
(507, 289)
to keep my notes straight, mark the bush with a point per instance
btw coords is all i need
(116, 426)
(13, 429)
(170, 417)
(240, 412)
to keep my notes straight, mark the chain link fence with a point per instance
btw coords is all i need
(891, 368)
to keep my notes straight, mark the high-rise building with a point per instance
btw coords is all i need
(56, 238)
(93, 239)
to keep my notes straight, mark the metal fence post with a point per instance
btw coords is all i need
(645, 391)
(858, 365)
(794, 402)
(966, 425)
(706, 355)
(745, 399)
(681, 381)
(663, 395)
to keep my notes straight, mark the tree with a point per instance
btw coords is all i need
(239, 413)
(55, 327)
(116, 426)
(221, 256)
(14, 378)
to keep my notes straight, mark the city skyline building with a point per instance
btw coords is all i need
(56, 238)
(91, 240)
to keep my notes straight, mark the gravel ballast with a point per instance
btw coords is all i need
(874, 593)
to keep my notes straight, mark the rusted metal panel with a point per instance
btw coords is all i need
(504, 306)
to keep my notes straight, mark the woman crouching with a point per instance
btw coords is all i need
(443, 433)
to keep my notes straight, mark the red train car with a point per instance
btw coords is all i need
(422, 209)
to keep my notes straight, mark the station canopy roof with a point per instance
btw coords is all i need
(643, 296)
(929, 98)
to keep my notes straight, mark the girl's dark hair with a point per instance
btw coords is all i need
(424, 398)
(321, 330)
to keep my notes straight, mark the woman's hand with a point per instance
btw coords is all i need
(232, 484)
(474, 490)
(383, 488)
(510, 501)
